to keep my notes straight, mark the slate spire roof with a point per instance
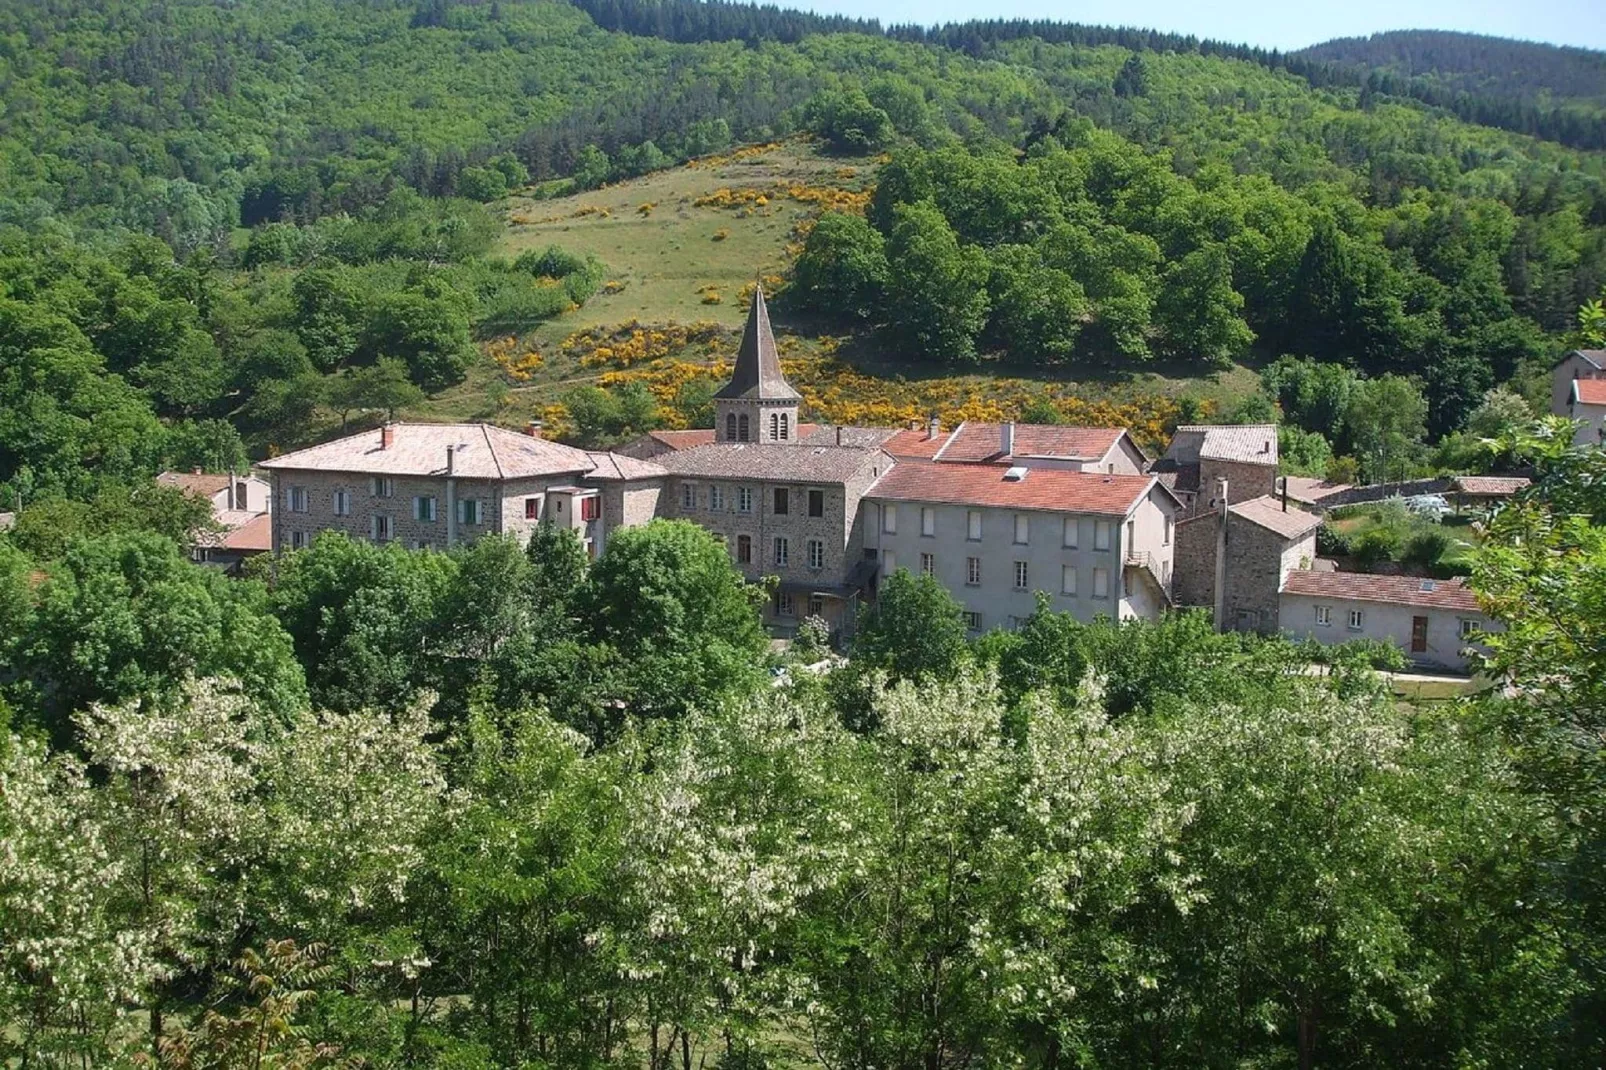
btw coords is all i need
(758, 366)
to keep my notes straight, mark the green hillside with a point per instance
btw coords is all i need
(246, 226)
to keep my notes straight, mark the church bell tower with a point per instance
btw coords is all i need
(758, 404)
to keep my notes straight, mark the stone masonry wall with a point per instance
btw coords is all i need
(1193, 581)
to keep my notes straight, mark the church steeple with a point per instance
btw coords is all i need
(758, 404)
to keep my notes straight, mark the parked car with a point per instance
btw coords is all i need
(1433, 505)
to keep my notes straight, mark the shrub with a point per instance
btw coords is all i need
(1376, 545)
(1426, 548)
(1333, 541)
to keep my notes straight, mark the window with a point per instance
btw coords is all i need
(973, 525)
(298, 540)
(716, 497)
(298, 499)
(889, 563)
(1356, 620)
(742, 432)
(380, 527)
(928, 521)
(775, 427)
(783, 551)
(1131, 534)
(423, 508)
(532, 508)
(973, 572)
(730, 427)
(973, 620)
(1072, 533)
(423, 544)
(242, 495)
(1068, 580)
(688, 496)
(342, 503)
(1101, 535)
(1419, 635)
(786, 422)
(785, 604)
(816, 503)
(591, 508)
(744, 549)
(889, 519)
(1467, 628)
(816, 605)
(1101, 583)
(382, 486)
(744, 499)
(468, 511)
(783, 501)
(1324, 616)
(1020, 576)
(928, 564)
(816, 554)
(1169, 523)
(1023, 529)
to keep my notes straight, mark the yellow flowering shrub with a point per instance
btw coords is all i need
(516, 362)
(746, 152)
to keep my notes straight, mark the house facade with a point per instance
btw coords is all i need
(1096, 544)
(1235, 558)
(1579, 365)
(241, 512)
(1435, 623)
(1201, 456)
(1587, 404)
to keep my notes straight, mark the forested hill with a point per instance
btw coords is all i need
(1526, 71)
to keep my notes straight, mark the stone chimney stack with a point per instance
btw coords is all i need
(387, 436)
(534, 428)
(1221, 555)
(1006, 439)
(934, 427)
(451, 460)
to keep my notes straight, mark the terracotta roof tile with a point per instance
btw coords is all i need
(1046, 489)
(254, 534)
(1590, 391)
(1390, 590)
(1311, 491)
(1267, 512)
(481, 452)
(979, 442)
(916, 443)
(1494, 486)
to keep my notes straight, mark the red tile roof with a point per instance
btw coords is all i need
(975, 442)
(202, 484)
(255, 535)
(1048, 489)
(1268, 512)
(916, 444)
(1392, 590)
(1497, 486)
(1590, 391)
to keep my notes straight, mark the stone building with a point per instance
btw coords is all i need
(1200, 456)
(1235, 558)
(241, 514)
(1097, 544)
(1436, 623)
(432, 486)
(1587, 404)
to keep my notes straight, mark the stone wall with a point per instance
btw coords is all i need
(1244, 481)
(1193, 581)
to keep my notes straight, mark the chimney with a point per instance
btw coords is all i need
(197, 469)
(534, 428)
(230, 498)
(451, 460)
(387, 436)
(1006, 439)
(934, 426)
(1221, 555)
(839, 436)
(1285, 494)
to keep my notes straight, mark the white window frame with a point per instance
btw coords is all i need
(1101, 535)
(744, 499)
(928, 522)
(1324, 616)
(1072, 534)
(817, 605)
(380, 528)
(1357, 620)
(973, 620)
(973, 526)
(785, 604)
(382, 486)
(972, 572)
(1023, 575)
(1101, 583)
(1170, 522)
(424, 507)
(1465, 627)
(889, 519)
(928, 564)
(469, 511)
(781, 548)
(816, 554)
(688, 496)
(1068, 580)
(1023, 529)
(298, 499)
(342, 503)
(716, 497)
(889, 563)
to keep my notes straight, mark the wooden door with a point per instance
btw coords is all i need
(1419, 635)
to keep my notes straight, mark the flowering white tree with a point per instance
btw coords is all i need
(68, 960)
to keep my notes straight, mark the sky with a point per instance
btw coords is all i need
(1284, 24)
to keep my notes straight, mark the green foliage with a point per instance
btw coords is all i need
(842, 269)
(914, 630)
(46, 527)
(604, 417)
(847, 121)
(428, 332)
(383, 386)
(937, 297)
